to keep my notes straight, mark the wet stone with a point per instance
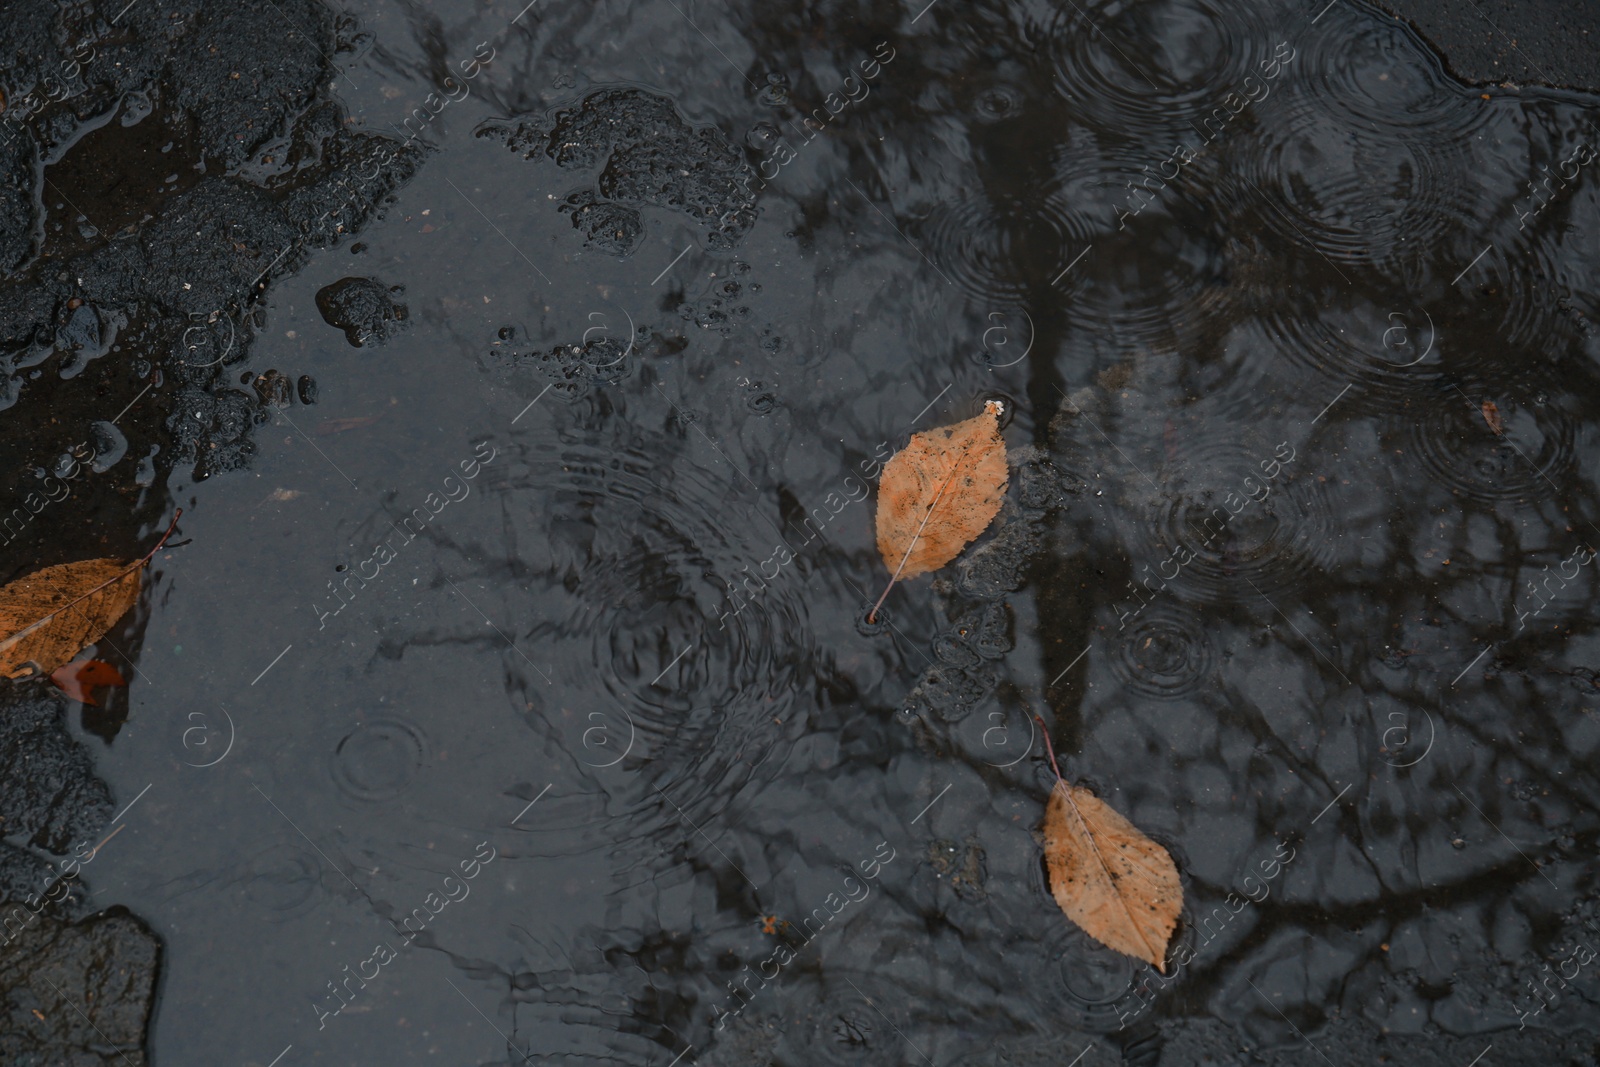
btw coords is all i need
(987, 630)
(49, 795)
(646, 155)
(760, 400)
(274, 388)
(981, 635)
(1041, 486)
(996, 567)
(76, 994)
(961, 866)
(213, 428)
(715, 314)
(610, 228)
(951, 650)
(948, 693)
(279, 80)
(22, 874)
(17, 209)
(51, 968)
(232, 104)
(364, 308)
(574, 368)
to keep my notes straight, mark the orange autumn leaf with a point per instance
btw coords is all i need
(47, 617)
(1116, 884)
(938, 493)
(79, 679)
(50, 615)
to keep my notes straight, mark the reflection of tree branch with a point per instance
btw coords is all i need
(1392, 912)
(1554, 774)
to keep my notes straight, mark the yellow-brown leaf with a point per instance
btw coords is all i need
(49, 616)
(939, 492)
(1118, 885)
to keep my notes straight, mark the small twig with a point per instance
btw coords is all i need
(1048, 747)
(102, 844)
(173, 525)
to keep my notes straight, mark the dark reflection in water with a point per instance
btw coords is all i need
(1247, 276)
(1266, 534)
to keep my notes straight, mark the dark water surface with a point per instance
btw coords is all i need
(609, 379)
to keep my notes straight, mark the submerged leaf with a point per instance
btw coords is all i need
(938, 493)
(80, 679)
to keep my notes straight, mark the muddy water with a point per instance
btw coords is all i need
(516, 699)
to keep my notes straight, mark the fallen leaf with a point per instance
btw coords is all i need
(1115, 883)
(80, 678)
(938, 493)
(1491, 415)
(50, 615)
(53, 613)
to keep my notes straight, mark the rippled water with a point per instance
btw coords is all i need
(1247, 275)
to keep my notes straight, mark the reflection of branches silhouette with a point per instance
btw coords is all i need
(1152, 326)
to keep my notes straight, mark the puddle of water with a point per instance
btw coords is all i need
(566, 561)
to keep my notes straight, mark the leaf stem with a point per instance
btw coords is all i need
(173, 525)
(1048, 747)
